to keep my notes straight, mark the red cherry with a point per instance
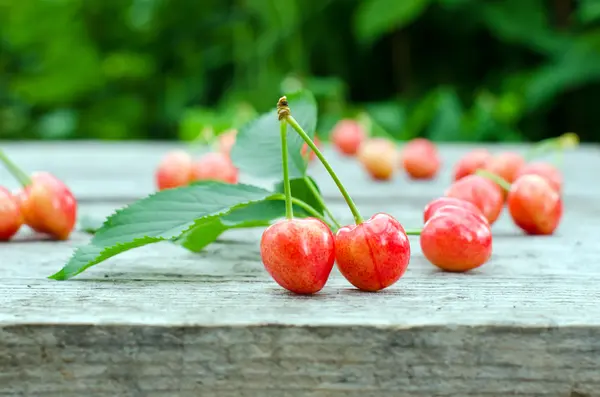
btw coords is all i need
(545, 170)
(48, 206)
(214, 166)
(470, 163)
(456, 240)
(11, 217)
(534, 205)
(227, 140)
(312, 155)
(435, 205)
(347, 136)
(174, 170)
(378, 157)
(299, 254)
(374, 254)
(420, 159)
(506, 165)
(482, 192)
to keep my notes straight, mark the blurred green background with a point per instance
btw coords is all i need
(450, 70)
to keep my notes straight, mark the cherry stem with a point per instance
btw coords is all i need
(367, 122)
(503, 183)
(565, 141)
(283, 111)
(413, 232)
(289, 210)
(319, 198)
(16, 172)
(306, 207)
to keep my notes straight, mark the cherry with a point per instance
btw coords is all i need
(378, 157)
(214, 166)
(371, 254)
(347, 136)
(11, 218)
(227, 140)
(545, 170)
(506, 165)
(312, 155)
(456, 239)
(534, 205)
(420, 159)
(174, 170)
(470, 163)
(441, 202)
(482, 192)
(48, 206)
(374, 254)
(299, 254)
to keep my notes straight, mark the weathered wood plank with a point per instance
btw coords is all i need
(106, 171)
(159, 321)
(529, 281)
(292, 361)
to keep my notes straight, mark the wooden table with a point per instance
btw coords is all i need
(159, 321)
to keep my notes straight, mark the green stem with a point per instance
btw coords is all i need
(289, 210)
(565, 141)
(19, 175)
(413, 232)
(357, 218)
(319, 198)
(368, 123)
(306, 207)
(503, 183)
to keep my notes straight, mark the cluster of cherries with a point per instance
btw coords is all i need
(373, 254)
(44, 203)
(177, 168)
(531, 190)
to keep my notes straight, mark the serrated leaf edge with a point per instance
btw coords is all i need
(60, 275)
(109, 218)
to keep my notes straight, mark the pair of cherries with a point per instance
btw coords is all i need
(45, 204)
(299, 254)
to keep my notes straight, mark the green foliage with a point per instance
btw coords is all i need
(196, 215)
(257, 151)
(165, 215)
(209, 229)
(259, 214)
(377, 17)
(156, 69)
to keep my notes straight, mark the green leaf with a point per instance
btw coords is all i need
(420, 115)
(203, 233)
(257, 151)
(575, 68)
(588, 11)
(161, 216)
(453, 4)
(90, 255)
(446, 125)
(258, 214)
(524, 22)
(59, 124)
(194, 121)
(389, 115)
(301, 191)
(375, 18)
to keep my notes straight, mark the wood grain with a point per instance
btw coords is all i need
(159, 321)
